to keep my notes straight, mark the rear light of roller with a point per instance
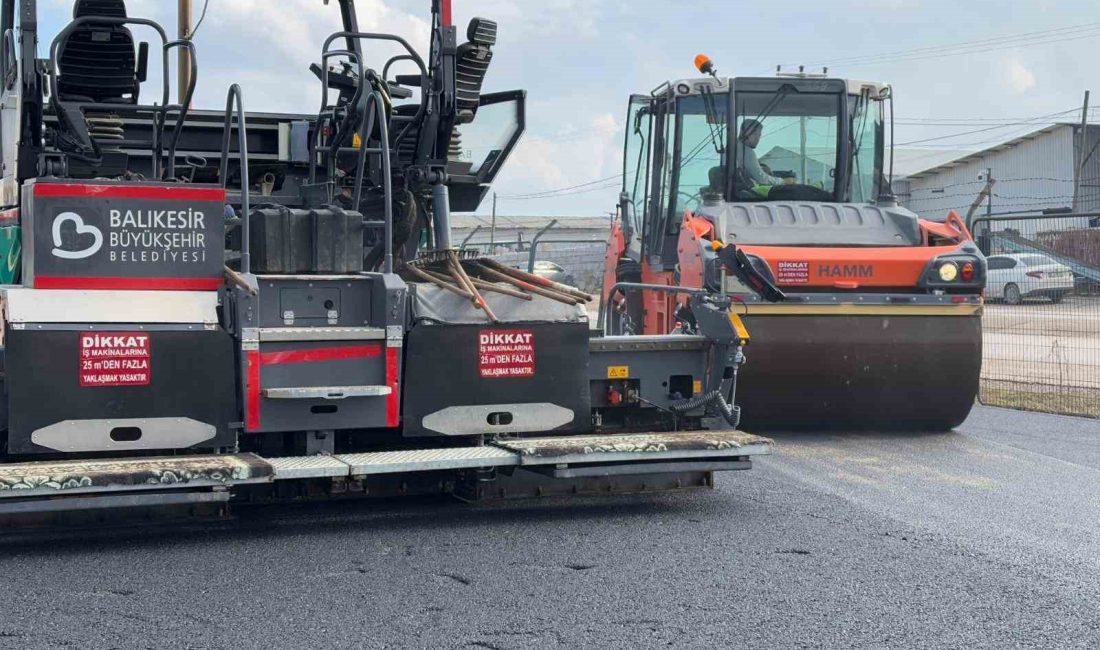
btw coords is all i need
(967, 272)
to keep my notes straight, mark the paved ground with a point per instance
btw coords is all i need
(986, 537)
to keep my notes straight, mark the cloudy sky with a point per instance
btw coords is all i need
(1011, 65)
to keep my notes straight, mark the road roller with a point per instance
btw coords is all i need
(880, 327)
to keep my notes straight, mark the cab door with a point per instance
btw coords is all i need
(636, 157)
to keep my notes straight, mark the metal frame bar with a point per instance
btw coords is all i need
(235, 95)
(160, 112)
(601, 320)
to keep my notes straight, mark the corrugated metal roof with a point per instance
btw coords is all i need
(1008, 144)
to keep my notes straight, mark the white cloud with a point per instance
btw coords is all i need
(570, 17)
(1017, 75)
(579, 153)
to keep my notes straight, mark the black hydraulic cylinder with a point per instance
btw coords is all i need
(441, 210)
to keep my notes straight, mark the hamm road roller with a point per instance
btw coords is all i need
(881, 324)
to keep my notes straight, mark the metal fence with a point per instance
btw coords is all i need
(1041, 328)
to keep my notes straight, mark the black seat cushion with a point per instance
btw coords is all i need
(98, 62)
(472, 63)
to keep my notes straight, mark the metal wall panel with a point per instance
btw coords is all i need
(1032, 174)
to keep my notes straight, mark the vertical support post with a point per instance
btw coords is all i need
(184, 31)
(445, 10)
(493, 226)
(1079, 159)
(535, 245)
(989, 182)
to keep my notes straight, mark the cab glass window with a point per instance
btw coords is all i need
(701, 149)
(786, 138)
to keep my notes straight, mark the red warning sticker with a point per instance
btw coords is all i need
(793, 273)
(506, 353)
(114, 359)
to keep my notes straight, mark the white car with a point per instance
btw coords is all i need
(1013, 278)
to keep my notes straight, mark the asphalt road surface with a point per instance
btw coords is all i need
(985, 537)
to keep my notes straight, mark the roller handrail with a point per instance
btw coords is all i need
(236, 95)
(618, 287)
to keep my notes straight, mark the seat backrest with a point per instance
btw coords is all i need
(472, 62)
(98, 63)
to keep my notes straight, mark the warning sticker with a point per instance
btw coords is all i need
(506, 353)
(618, 372)
(793, 273)
(114, 359)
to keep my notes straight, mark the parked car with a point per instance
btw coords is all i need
(553, 272)
(1013, 278)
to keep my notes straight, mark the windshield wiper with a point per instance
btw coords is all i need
(717, 129)
(780, 95)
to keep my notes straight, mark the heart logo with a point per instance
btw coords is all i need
(81, 229)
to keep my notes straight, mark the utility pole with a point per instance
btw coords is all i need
(986, 193)
(184, 22)
(493, 225)
(1079, 162)
(989, 183)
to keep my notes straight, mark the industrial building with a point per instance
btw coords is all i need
(1033, 172)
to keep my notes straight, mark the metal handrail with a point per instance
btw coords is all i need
(185, 105)
(376, 112)
(325, 110)
(11, 68)
(425, 81)
(223, 171)
(161, 110)
(376, 118)
(601, 318)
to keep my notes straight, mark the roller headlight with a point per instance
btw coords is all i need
(948, 271)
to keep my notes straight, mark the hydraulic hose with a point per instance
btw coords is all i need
(732, 414)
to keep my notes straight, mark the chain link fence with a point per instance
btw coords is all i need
(1041, 340)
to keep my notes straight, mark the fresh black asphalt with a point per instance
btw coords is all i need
(986, 537)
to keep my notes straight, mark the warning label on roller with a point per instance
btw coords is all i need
(506, 353)
(114, 359)
(793, 273)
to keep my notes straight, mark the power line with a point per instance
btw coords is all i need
(597, 188)
(1025, 39)
(1029, 122)
(985, 41)
(560, 189)
(202, 17)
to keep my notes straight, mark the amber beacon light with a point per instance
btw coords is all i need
(704, 64)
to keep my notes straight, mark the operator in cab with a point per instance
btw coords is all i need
(747, 161)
